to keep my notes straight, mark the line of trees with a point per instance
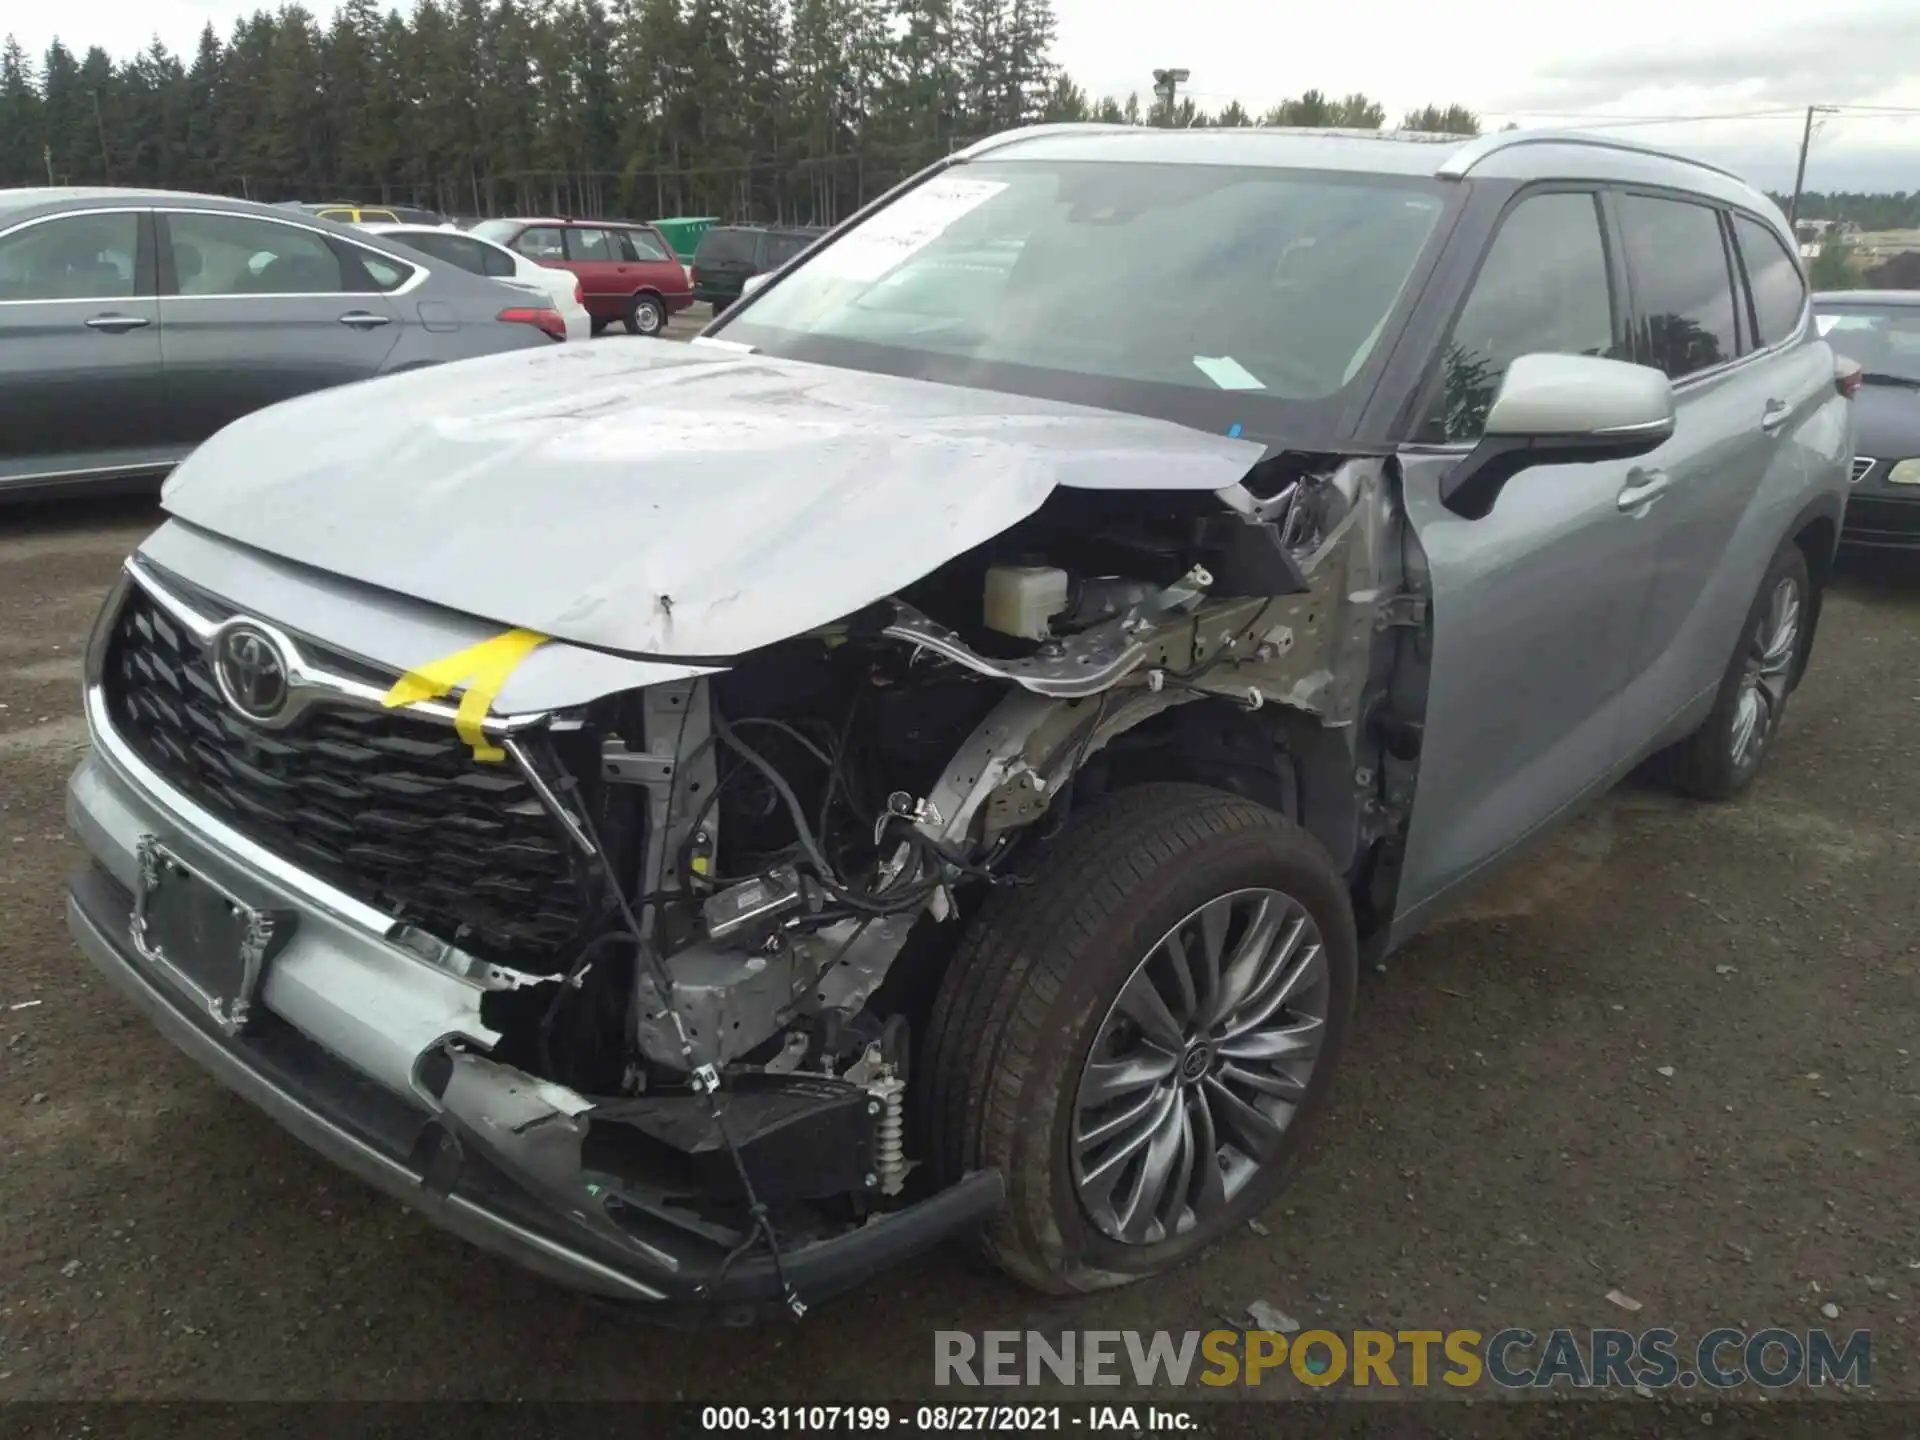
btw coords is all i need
(795, 110)
(1898, 210)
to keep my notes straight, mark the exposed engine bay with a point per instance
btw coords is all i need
(777, 853)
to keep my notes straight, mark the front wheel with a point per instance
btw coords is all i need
(645, 316)
(1138, 1038)
(1720, 759)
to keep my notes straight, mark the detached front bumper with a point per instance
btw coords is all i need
(335, 1056)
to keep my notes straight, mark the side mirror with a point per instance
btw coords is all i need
(1561, 410)
(752, 283)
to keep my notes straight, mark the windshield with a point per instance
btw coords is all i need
(1133, 286)
(1884, 340)
(501, 232)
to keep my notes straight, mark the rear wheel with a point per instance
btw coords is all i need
(1139, 1038)
(645, 316)
(596, 326)
(1720, 759)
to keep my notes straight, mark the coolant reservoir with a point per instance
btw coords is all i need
(1022, 598)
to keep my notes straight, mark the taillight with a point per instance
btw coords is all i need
(548, 320)
(579, 293)
(1848, 376)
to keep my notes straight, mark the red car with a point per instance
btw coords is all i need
(627, 270)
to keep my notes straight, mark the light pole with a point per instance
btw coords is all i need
(1165, 82)
(1800, 174)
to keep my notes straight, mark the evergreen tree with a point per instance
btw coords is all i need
(21, 121)
(795, 110)
(1447, 120)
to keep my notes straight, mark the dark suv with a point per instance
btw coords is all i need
(730, 255)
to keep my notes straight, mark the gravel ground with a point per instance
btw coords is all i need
(1671, 1055)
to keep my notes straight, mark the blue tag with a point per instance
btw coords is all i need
(1233, 431)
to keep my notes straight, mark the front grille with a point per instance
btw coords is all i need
(1861, 465)
(389, 807)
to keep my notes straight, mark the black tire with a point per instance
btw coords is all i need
(1030, 987)
(1704, 765)
(645, 316)
(596, 327)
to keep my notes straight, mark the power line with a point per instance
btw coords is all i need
(1594, 118)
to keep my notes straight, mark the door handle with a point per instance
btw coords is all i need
(1643, 487)
(115, 324)
(1775, 415)
(364, 320)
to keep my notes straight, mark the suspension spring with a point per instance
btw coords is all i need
(890, 1148)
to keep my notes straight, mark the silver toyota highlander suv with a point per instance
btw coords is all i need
(708, 822)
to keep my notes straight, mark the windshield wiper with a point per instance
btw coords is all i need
(1880, 377)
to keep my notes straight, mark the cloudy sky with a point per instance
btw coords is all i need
(1607, 63)
(1613, 64)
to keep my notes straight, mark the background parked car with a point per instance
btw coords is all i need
(478, 256)
(683, 233)
(134, 324)
(730, 255)
(348, 213)
(1879, 330)
(627, 270)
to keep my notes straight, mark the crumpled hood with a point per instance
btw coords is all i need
(660, 499)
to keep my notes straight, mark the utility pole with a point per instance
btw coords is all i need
(1165, 82)
(106, 160)
(46, 153)
(1800, 175)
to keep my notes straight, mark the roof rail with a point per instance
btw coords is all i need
(1028, 132)
(1459, 164)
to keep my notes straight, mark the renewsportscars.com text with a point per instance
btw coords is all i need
(1513, 1359)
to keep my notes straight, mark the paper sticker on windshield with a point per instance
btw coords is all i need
(1824, 323)
(1227, 372)
(905, 227)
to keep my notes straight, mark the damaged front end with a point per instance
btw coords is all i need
(690, 926)
(777, 855)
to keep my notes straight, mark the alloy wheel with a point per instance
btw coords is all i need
(1769, 671)
(1200, 1065)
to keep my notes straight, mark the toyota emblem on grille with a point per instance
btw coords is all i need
(252, 672)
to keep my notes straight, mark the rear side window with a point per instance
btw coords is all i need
(496, 262)
(1543, 289)
(1681, 284)
(782, 248)
(640, 245)
(1779, 294)
(369, 271)
(594, 246)
(461, 250)
(726, 247)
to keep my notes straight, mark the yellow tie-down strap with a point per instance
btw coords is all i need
(483, 669)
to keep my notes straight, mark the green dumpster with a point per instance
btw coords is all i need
(684, 234)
